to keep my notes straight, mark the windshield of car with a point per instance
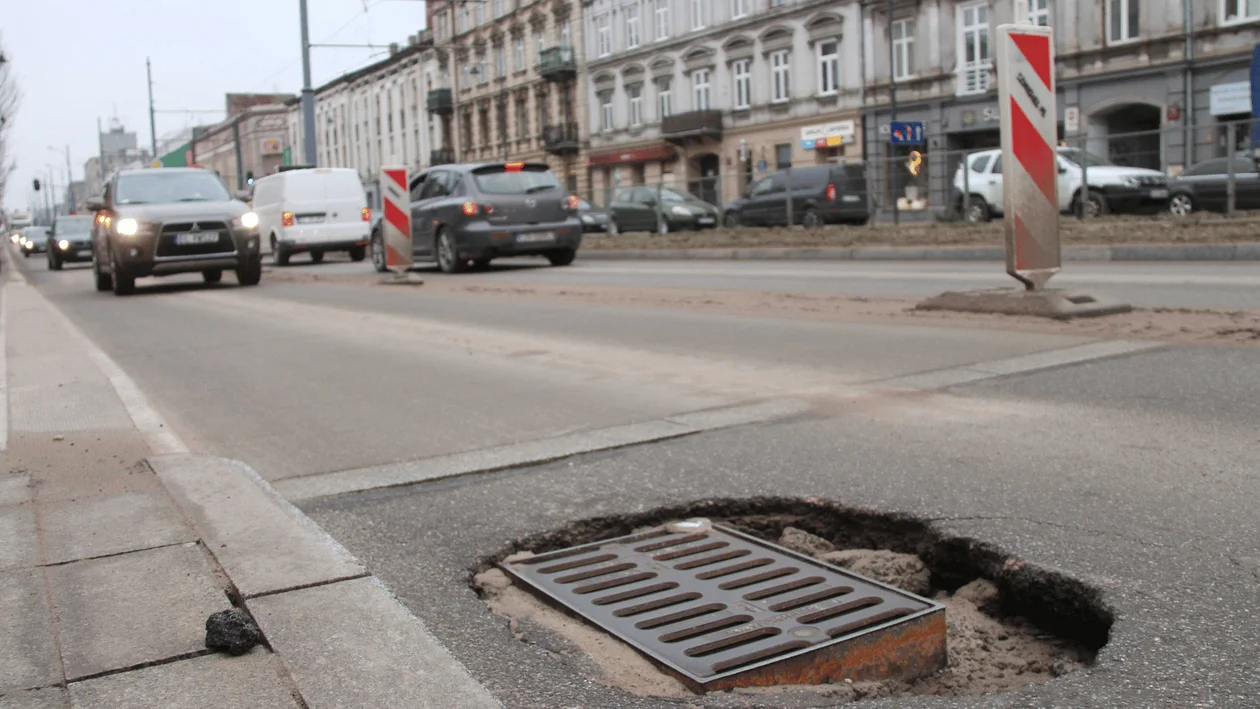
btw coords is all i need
(504, 179)
(668, 195)
(1076, 156)
(73, 225)
(32, 232)
(164, 187)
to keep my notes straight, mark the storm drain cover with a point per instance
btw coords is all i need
(720, 609)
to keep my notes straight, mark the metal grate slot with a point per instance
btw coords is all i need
(719, 609)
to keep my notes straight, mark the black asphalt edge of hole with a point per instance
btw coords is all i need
(1053, 601)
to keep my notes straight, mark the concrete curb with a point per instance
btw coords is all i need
(1124, 252)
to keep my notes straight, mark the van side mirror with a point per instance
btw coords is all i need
(244, 195)
(1062, 169)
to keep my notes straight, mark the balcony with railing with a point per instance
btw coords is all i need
(557, 64)
(561, 139)
(974, 79)
(680, 127)
(441, 156)
(440, 101)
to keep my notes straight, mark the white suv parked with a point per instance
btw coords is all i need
(1112, 188)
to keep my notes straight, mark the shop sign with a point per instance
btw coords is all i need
(1231, 98)
(828, 135)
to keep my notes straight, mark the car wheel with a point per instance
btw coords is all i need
(811, 219)
(1095, 206)
(379, 262)
(1181, 205)
(731, 220)
(357, 253)
(317, 256)
(977, 211)
(251, 273)
(279, 253)
(447, 254)
(562, 257)
(124, 283)
(212, 275)
(104, 281)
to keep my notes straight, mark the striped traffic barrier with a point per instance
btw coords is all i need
(396, 222)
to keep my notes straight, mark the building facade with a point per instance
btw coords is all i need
(118, 149)
(1148, 83)
(374, 116)
(509, 83)
(247, 144)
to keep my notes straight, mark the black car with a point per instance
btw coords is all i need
(162, 221)
(34, 240)
(473, 213)
(635, 209)
(593, 218)
(70, 240)
(821, 194)
(1204, 186)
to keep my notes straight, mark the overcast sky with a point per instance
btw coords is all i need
(76, 60)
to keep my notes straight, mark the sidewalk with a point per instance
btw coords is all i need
(116, 544)
(1128, 252)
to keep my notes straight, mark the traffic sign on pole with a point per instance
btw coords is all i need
(907, 133)
(396, 221)
(1025, 63)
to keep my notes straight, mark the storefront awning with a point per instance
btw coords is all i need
(622, 157)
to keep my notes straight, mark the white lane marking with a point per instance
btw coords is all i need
(156, 432)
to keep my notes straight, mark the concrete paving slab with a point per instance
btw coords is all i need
(352, 644)
(113, 524)
(19, 541)
(28, 653)
(15, 489)
(126, 610)
(253, 680)
(47, 698)
(263, 543)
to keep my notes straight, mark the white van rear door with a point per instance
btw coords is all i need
(305, 195)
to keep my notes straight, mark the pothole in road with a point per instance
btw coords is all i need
(1008, 624)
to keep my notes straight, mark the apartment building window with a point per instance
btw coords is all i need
(483, 77)
(498, 8)
(973, 49)
(603, 35)
(566, 37)
(462, 18)
(662, 19)
(1039, 12)
(739, 8)
(778, 3)
(664, 100)
(828, 67)
(605, 110)
(378, 115)
(519, 49)
(632, 26)
(701, 93)
(1239, 10)
(903, 49)
(1122, 20)
(484, 119)
(522, 118)
(478, 14)
(741, 73)
(500, 62)
(635, 93)
(780, 76)
(540, 41)
(782, 156)
(697, 14)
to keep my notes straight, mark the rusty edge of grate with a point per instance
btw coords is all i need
(901, 646)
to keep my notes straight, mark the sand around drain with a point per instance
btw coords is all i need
(987, 652)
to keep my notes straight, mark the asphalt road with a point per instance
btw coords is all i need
(1135, 473)
(1216, 285)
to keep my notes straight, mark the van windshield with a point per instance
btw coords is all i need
(528, 179)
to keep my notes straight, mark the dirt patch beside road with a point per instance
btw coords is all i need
(1108, 231)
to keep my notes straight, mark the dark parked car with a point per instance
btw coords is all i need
(821, 194)
(635, 209)
(472, 213)
(70, 240)
(34, 240)
(1204, 186)
(593, 218)
(162, 221)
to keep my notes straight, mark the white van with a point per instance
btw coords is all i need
(313, 210)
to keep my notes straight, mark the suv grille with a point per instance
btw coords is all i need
(166, 245)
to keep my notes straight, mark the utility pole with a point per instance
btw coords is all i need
(892, 107)
(308, 92)
(100, 146)
(148, 69)
(70, 206)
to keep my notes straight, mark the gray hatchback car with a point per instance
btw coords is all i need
(473, 213)
(162, 221)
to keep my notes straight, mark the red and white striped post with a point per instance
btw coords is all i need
(396, 222)
(1025, 66)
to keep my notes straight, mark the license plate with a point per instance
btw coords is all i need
(83, 252)
(535, 237)
(852, 198)
(1159, 194)
(196, 238)
(316, 219)
(705, 220)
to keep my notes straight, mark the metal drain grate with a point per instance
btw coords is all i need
(721, 609)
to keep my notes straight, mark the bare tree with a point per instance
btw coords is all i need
(10, 96)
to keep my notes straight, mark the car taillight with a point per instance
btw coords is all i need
(470, 209)
(513, 166)
(366, 214)
(286, 219)
(573, 202)
(831, 193)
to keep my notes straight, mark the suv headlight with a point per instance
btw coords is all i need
(127, 227)
(248, 220)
